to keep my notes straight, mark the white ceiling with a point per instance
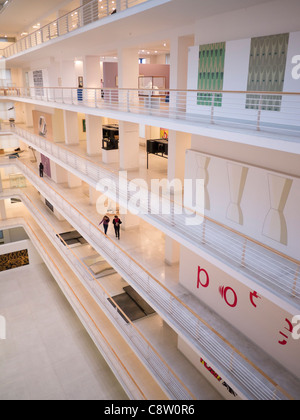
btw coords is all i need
(19, 14)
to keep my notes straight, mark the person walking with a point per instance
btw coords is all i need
(117, 222)
(41, 167)
(105, 222)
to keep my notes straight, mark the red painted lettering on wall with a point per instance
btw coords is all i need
(211, 370)
(289, 329)
(206, 278)
(224, 292)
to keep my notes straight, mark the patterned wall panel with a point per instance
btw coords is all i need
(14, 260)
(267, 70)
(211, 72)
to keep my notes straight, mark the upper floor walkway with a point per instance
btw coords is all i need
(262, 119)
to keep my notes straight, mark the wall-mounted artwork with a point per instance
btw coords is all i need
(164, 133)
(267, 65)
(14, 260)
(211, 72)
(42, 124)
(38, 82)
(47, 165)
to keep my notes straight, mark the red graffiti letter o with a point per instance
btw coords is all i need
(232, 305)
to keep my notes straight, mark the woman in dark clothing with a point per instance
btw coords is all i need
(105, 222)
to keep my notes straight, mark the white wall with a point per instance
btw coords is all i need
(291, 84)
(261, 324)
(237, 54)
(256, 189)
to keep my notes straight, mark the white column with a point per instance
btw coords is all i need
(58, 173)
(128, 73)
(179, 69)
(58, 127)
(71, 127)
(172, 251)
(74, 181)
(93, 195)
(28, 115)
(129, 146)
(93, 135)
(2, 202)
(128, 68)
(129, 220)
(1, 186)
(91, 72)
(178, 144)
(2, 210)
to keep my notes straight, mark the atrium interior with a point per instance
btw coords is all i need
(149, 200)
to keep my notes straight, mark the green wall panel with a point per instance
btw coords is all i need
(211, 72)
(267, 70)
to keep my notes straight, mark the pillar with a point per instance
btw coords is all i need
(129, 145)
(93, 195)
(179, 70)
(73, 181)
(2, 210)
(91, 72)
(128, 73)
(129, 220)
(71, 128)
(93, 135)
(58, 126)
(172, 251)
(2, 202)
(178, 144)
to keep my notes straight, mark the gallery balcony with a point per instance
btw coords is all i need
(261, 119)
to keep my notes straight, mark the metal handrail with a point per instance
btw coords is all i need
(268, 112)
(165, 369)
(229, 359)
(253, 258)
(69, 22)
(43, 249)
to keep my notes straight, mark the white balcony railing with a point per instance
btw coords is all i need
(77, 18)
(230, 362)
(263, 265)
(266, 112)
